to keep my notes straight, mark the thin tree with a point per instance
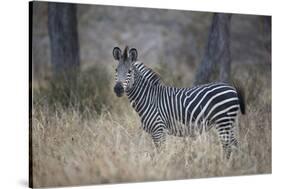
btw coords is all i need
(62, 26)
(217, 51)
(266, 23)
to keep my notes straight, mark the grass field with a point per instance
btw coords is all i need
(97, 137)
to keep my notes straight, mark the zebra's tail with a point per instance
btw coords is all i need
(241, 97)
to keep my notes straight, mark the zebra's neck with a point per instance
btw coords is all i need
(145, 87)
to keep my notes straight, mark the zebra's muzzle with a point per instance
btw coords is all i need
(118, 89)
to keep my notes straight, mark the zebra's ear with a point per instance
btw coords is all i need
(133, 54)
(116, 53)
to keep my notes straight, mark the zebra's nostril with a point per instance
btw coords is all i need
(118, 89)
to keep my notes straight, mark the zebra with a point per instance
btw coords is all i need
(175, 111)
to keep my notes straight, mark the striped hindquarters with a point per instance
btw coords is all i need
(209, 104)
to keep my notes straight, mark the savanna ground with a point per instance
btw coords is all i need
(86, 135)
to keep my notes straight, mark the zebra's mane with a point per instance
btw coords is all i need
(125, 54)
(142, 70)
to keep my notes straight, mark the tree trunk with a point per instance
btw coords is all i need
(217, 51)
(62, 25)
(266, 20)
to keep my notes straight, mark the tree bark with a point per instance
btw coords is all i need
(266, 20)
(62, 26)
(217, 51)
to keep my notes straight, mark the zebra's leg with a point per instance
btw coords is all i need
(158, 137)
(234, 141)
(226, 138)
(226, 150)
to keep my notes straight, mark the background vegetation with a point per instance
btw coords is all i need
(84, 134)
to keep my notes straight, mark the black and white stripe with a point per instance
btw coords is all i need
(184, 111)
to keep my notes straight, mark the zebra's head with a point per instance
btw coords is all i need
(124, 71)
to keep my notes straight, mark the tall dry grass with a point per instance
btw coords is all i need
(105, 144)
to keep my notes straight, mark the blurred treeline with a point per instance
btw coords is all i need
(172, 42)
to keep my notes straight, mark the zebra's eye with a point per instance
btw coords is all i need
(116, 70)
(129, 71)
